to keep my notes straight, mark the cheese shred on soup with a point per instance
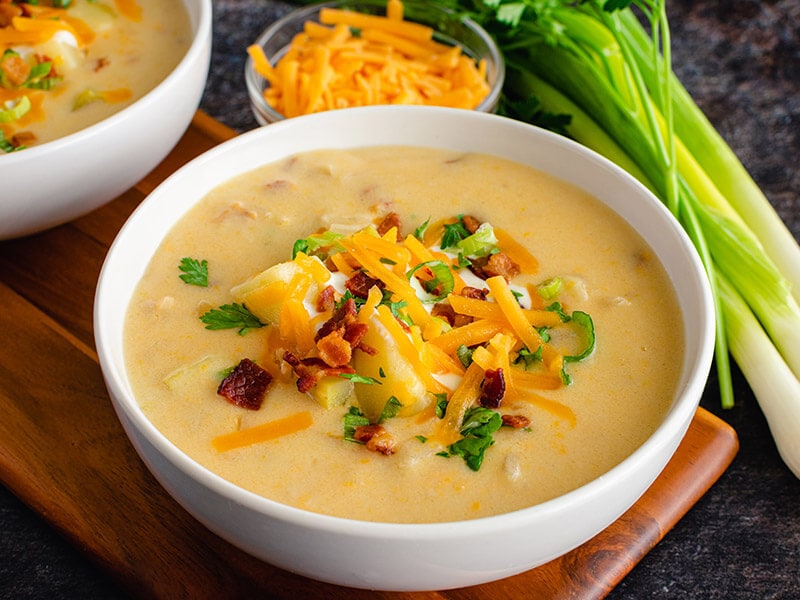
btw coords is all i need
(404, 334)
(66, 66)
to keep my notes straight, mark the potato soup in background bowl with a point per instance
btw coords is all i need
(424, 327)
(97, 104)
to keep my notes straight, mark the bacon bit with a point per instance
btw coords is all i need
(246, 385)
(326, 300)
(474, 293)
(471, 224)
(360, 284)
(236, 209)
(340, 335)
(15, 68)
(389, 221)
(493, 388)
(334, 350)
(375, 437)
(496, 264)
(278, 184)
(354, 333)
(446, 312)
(331, 266)
(101, 64)
(8, 12)
(310, 370)
(516, 421)
(501, 264)
(23, 138)
(342, 316)
(366, 349)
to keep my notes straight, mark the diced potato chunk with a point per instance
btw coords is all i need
(331, 392)
(395, 373)
(187, 379)
(264, 293)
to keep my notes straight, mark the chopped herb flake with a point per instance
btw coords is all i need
(231, 316)
(194, 272)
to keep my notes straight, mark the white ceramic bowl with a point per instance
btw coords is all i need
(47, 185)
(403, 556)
(450, 29)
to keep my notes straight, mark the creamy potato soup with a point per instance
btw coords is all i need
(63, 69)
(404, 334)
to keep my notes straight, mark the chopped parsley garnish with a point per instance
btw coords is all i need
(353, 418)
(194, 272)
(441, 404)
(356, 378)
(454, 233)
(5, 145)
(477, 428)
(527, 358)
(390, 409)
(231, 316)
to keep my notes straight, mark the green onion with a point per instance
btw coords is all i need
(14, 109)
(440, 285)
(594, 72)
(481, 243)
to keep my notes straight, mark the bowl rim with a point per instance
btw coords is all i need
(254, 81)
(694, 373)
(201, 29)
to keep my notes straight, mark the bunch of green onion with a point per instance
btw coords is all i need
(600, 72)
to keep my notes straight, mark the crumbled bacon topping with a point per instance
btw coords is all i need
(446, 312)
(493, 388)
(310, 370)
(8, 12)
(101, 63)
(326, 300)
(516, 421)
(471, 224)
(474, 293)
(495, 264)
(334, 350)
(376, 438)
(340, 335)
(15, 69)
(389, 221)
(246, 385)
(360, 284)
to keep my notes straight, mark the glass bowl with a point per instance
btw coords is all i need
(449, 29)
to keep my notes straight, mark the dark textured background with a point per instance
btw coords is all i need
(740, 59)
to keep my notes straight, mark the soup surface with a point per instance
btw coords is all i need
(558, 437)
(100, 56)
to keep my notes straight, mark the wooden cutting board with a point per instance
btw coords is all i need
(63, 452)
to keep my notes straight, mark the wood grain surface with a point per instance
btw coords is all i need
(64, 453)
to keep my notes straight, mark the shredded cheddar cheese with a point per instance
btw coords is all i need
(405, 327)
(355, 59)
(264, 432)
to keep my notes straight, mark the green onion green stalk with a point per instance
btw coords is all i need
(600, 71)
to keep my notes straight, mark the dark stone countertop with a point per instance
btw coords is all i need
(741, 62)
